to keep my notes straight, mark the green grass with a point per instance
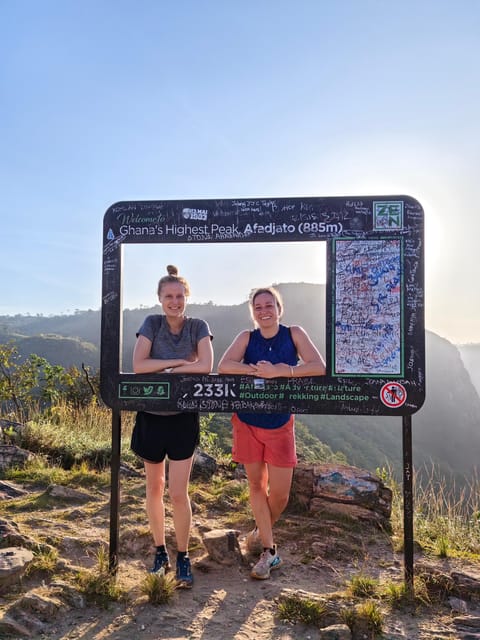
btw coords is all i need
(69, 436)
(445, 524)
(44, 560)
(39, 472)
(295, 610)
(398, 596)
(99, 585)
(362, 586)
(369, 612)
(159, 589)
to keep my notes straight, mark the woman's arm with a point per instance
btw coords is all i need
(143, 363)
(312, 363)
(204, 361)
(232, 359)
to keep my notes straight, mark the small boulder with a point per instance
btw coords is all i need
(9, 627)
(12, 456)
(204, 466)
(335, 632)
(13, 564)
(10, 535)
(61, 492)
(222, 546)
(323, 487)
(38, 604)
(9, 490)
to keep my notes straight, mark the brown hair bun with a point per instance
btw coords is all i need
(173, 277)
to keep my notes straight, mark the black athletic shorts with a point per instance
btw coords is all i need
(175, 436)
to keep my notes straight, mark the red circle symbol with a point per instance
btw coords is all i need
(393, 394)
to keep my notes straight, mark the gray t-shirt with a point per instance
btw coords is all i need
(166, 345)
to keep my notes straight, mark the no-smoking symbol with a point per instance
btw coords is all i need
(393, 394)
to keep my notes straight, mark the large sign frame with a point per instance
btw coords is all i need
(375, 333)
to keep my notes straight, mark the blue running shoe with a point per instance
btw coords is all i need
(184, 573)
(161, 564)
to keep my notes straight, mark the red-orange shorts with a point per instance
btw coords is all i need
(255, 444)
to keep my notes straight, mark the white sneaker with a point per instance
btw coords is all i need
(253, 543)
(267, 562)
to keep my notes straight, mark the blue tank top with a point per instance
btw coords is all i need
(280, 348)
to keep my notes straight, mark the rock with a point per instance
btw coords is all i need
(468, 622)
(239, 472)
(13, 564)
(71, 546)
(10, 535)
(68, 594)
(66, 493)
(9, 627)
(222, 546)
(457, 605)
(128, 471)
(204, 466)
(347, 510)
(12, 456)
(323, 487)
(29, 615)
(134, 542)
(42, 605)
(10, 490)
(335, 632)
(456, 583)
(466, 586)
(29, 621)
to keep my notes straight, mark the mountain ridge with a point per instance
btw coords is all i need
(446, 431)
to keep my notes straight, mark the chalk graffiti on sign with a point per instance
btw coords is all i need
(368, 307)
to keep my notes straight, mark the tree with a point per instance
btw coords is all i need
(33, 381)
(17, 379)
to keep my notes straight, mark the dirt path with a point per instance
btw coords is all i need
(320, 556)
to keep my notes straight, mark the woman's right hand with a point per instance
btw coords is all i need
(180, 362)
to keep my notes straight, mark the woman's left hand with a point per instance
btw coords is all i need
(266, 369)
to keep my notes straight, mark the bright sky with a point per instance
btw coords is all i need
(108, 100)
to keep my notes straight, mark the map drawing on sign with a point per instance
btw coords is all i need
(367, 316)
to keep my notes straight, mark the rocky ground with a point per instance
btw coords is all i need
(321, 554)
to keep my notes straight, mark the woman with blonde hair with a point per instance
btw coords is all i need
(265, 443)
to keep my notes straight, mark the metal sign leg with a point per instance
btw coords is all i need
(408, 501)
(115, 490)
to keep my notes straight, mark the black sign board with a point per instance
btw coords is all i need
(374, 312)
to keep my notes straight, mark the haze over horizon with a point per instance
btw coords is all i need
(114, 101)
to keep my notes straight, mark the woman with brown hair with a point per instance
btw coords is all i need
(174, 343)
